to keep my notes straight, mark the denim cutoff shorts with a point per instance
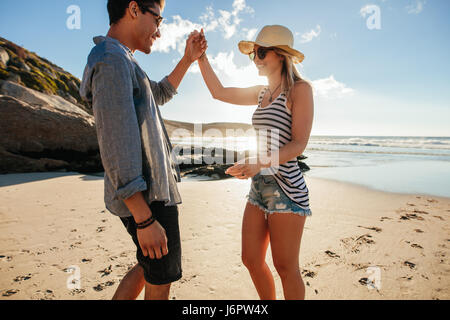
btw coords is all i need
(266, 194)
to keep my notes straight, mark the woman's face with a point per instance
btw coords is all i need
(272, 62)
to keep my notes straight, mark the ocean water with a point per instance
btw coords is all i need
(418, 165)
(396, 164)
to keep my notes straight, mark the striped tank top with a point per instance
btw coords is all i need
(272, 125)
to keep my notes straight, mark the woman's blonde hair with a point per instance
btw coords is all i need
(289, 71)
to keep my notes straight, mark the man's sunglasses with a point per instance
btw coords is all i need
(261, 52)
(159, 19)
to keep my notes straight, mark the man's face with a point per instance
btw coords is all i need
(146, 28)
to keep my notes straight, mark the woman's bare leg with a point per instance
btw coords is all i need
(255, 240)
(286, 231)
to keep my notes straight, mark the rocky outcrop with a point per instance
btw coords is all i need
(42, 133)
(32, 71)
(4, 56)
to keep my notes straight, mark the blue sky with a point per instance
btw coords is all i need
(388, 81)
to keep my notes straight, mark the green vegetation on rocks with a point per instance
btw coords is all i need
(34, 72)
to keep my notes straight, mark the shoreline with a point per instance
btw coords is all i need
(31, 177)
(50, 222)
(369, 188)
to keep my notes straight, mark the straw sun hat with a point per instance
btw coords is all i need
(274, 36)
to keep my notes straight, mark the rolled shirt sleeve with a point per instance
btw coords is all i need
(117, 125)
(163, 91)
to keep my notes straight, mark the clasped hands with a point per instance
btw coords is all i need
(196, 46)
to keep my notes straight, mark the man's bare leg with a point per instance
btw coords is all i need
(154, 292)
(131, 285)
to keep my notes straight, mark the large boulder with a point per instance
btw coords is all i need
(37, 98)
(39, 132)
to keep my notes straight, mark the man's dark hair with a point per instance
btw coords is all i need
(116, 8)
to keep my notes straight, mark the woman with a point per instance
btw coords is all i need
(278, 203)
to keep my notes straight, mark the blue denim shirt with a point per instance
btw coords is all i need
(134, 145)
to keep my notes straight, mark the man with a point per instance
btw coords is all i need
(140, 172)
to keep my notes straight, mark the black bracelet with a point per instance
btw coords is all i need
(144, 222)
(147, 223)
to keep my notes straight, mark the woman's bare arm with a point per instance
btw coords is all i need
(240, 96)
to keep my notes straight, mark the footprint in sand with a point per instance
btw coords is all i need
(332, 254)
(102, 286)
(385, 218)
(367, 282)
(106, 271)
(22, 278)
(409, 264)
(439, 217)
(187, 279)
(415, 245)
(410, 216)
(9, 292)
(76, 291)
(420, 211)
(354, 245)
(101, 229)
(359, 266)
(418, 231)
(308, 273)
(372, 228)
(440, 255)
(7, 258)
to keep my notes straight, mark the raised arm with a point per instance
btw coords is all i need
(240, 96)
(191, 53)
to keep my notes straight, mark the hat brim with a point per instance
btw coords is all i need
(246, 47)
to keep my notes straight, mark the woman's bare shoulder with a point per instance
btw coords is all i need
(300, 91)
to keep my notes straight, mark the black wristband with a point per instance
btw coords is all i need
(146, 223)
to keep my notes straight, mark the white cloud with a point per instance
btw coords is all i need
(227, 21)
(309, 36)
(249, 33)
(175, 33)
(229, 73)
(417, 7)
(330, 88)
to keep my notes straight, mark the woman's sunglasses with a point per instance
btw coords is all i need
(261, 52)
(159, 19)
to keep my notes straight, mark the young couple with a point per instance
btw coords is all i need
(140, 170)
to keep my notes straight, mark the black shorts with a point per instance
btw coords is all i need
(167, 269)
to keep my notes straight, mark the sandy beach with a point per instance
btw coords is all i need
(52, 222)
